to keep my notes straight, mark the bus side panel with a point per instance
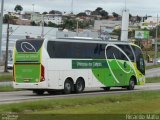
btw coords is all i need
(61, 69)
(57, 72)
(53, 80)
(115, 75)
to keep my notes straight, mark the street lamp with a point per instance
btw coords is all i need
(7, 43)
(156, 40)
(1, 24)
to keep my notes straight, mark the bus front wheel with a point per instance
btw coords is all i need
(131, 84)
(68, 86)
(106, 88)
(80, 85)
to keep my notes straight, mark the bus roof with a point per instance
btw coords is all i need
(82, 40)
(89, 40)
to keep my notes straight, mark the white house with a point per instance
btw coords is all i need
(151, 20)
(36, 17)
(106, 25)
(54, 18)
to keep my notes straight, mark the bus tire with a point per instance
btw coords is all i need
(51, 92)
(131, 84)
(80, 85)
(68, 86)
(38, 92)
(106, 88)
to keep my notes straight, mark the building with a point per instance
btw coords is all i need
(148, 25)
(106, 25)
(54, 18)
(36, 17)
(151, 20)
(22, 22)
(26, 16)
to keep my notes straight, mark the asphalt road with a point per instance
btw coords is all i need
(155, 72)
(20, 96)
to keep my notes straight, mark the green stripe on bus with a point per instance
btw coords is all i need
(89, 64)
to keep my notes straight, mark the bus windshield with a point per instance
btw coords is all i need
(139, 60)
(28, 45)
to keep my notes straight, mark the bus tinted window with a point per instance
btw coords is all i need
(28, 45)
(139, 59)
(128, 51)
(99, 51)
(75, 50)
(112, 53)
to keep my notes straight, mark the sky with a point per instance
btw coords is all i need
(136, 7)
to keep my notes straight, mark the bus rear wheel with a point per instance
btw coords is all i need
(68, 86)
(131, 84)
(38, 92)
(51, 92)
(80, 85)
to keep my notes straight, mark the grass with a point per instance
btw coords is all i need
(6, 77)
(153, 80)
(151, 54)
(7, 89)
(152, 66)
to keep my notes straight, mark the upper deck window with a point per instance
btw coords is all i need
(28, 45)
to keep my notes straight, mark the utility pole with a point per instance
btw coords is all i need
(155, 54)
(77, 31)
(33, 7)
(42, 33)
(7, 44)
(1, 25)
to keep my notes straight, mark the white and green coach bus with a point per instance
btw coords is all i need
(73, 64)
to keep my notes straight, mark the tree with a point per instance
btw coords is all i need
(130, 17)
(52, 12)
(81, 14)
(55, 12)
(104, 14)
(45, 24)
(33, 23)
(69, 24)
(117, 32)
(44, 13)
(18, 8)
(138, 18)
(100, 11)
(115, 15)
(5, 18)
(11, 19)
(50, 24)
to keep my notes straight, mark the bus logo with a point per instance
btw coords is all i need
(27, 47)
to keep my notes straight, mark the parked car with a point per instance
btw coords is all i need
(158, 60)
(10, 65)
